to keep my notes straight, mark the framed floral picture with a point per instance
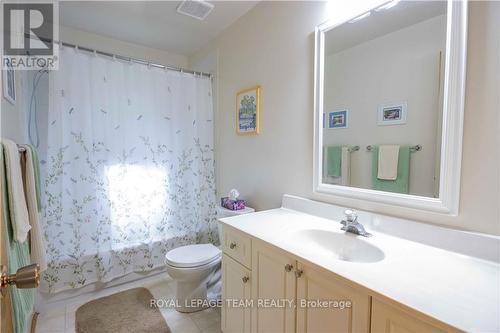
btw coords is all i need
(247, 111)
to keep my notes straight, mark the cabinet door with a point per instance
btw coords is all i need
(388, 319)
(333, 313)
(236, 285)
(273, 290)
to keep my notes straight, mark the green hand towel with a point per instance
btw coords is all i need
(22, 300)
(333, 160)
(401, 183)
(36, 164)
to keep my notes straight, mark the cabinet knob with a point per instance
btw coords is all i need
(245, 279)
(232, 245)
(288, 267)
(298, 273)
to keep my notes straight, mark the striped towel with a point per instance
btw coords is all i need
(38, 254)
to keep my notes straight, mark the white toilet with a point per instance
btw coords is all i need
(195, 269)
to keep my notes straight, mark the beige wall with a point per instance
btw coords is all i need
(399, 67)
(272, 45)
(111, 45)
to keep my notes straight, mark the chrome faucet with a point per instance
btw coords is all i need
(351, 224)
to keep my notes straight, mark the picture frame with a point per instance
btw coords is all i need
(392, 114)
(9, 84)
(338, 119)
(248, 111)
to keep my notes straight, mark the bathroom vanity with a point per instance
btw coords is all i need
(282, 258)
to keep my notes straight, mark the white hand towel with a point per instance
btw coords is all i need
(15, 189)
(345, 167)
(388, 156)
(38, 254)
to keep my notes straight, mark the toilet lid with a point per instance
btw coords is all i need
(192, 255)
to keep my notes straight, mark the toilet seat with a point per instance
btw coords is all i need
(190, 256)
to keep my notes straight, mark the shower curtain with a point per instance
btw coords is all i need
(128, 170)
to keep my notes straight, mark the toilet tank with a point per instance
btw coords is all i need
(224, 212)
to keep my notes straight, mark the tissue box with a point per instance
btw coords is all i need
(232, 204)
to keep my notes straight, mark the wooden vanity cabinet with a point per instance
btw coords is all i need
(348, 311)
(285, 291)
(387, 318)
(273, 290)
(236, 281)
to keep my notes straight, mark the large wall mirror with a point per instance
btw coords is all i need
(389, 96)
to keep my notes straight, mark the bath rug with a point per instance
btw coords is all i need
(124, 312)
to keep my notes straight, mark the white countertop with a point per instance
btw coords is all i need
(459, 290)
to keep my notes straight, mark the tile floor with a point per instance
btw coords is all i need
(62, 320)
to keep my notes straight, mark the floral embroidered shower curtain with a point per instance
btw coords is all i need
(128, 168)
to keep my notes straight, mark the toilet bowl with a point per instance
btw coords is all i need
(196, 268)
(192, 267)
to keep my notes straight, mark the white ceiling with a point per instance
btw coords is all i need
(154, 24)
(404, 14)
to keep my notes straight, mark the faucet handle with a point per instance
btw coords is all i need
(350, 215)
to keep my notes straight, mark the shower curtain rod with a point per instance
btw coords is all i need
(125, 58)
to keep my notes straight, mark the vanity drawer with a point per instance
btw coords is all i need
(237, 245)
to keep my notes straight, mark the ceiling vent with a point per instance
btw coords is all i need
(198, 9)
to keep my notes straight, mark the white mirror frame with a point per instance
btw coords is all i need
(452, 131)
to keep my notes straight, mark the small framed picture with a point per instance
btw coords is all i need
(337, 119)
(392, 114)
(9, 84)
(248, 111)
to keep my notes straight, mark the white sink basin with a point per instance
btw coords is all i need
(341, 246)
